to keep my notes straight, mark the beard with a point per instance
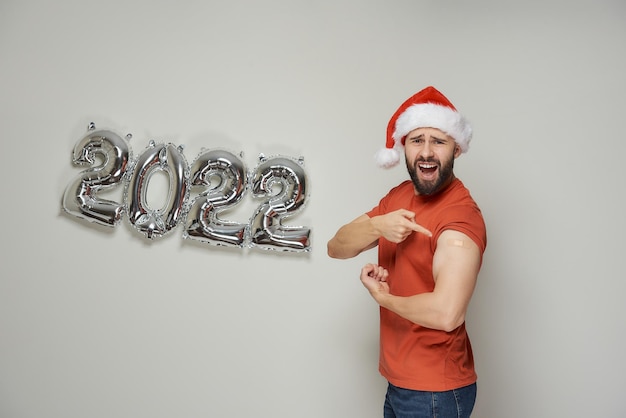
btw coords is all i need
(427, 188)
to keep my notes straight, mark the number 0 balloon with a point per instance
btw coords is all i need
(157, 222)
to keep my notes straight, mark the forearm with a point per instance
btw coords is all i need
(364, 232)
(427, 309)
(353, 238)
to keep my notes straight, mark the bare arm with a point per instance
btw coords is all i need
(363, 233)
(455, 268)
(353, 238)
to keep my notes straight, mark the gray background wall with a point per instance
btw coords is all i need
(97, 323)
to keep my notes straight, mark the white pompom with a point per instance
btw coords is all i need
(387, 157)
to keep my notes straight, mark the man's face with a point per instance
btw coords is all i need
(430, 156)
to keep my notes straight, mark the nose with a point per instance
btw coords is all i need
(427, 150)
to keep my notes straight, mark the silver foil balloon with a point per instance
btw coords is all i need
(266, 228)
(109, 155)
(225, 176)
(157, 222)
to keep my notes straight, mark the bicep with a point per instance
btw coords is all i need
(456, 264)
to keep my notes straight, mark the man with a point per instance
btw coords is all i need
(431, 237)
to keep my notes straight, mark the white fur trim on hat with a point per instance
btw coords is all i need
(430, 115)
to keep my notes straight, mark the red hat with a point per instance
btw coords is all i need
(427, 108)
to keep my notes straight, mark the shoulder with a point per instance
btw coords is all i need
(458, 200)
(461, 213)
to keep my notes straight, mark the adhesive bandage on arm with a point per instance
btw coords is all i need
(458, 243)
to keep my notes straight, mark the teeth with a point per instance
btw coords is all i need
(427, 165)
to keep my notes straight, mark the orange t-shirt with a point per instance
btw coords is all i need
(412, 356)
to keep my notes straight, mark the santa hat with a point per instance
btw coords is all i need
(427, 108)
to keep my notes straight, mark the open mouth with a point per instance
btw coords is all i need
(428, 170)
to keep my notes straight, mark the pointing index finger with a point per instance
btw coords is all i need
(419, 228)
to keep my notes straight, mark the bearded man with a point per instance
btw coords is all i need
(431, 237)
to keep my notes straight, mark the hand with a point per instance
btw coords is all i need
(374, 278)
(396, 226)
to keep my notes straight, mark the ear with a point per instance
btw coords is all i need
(457, 150)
